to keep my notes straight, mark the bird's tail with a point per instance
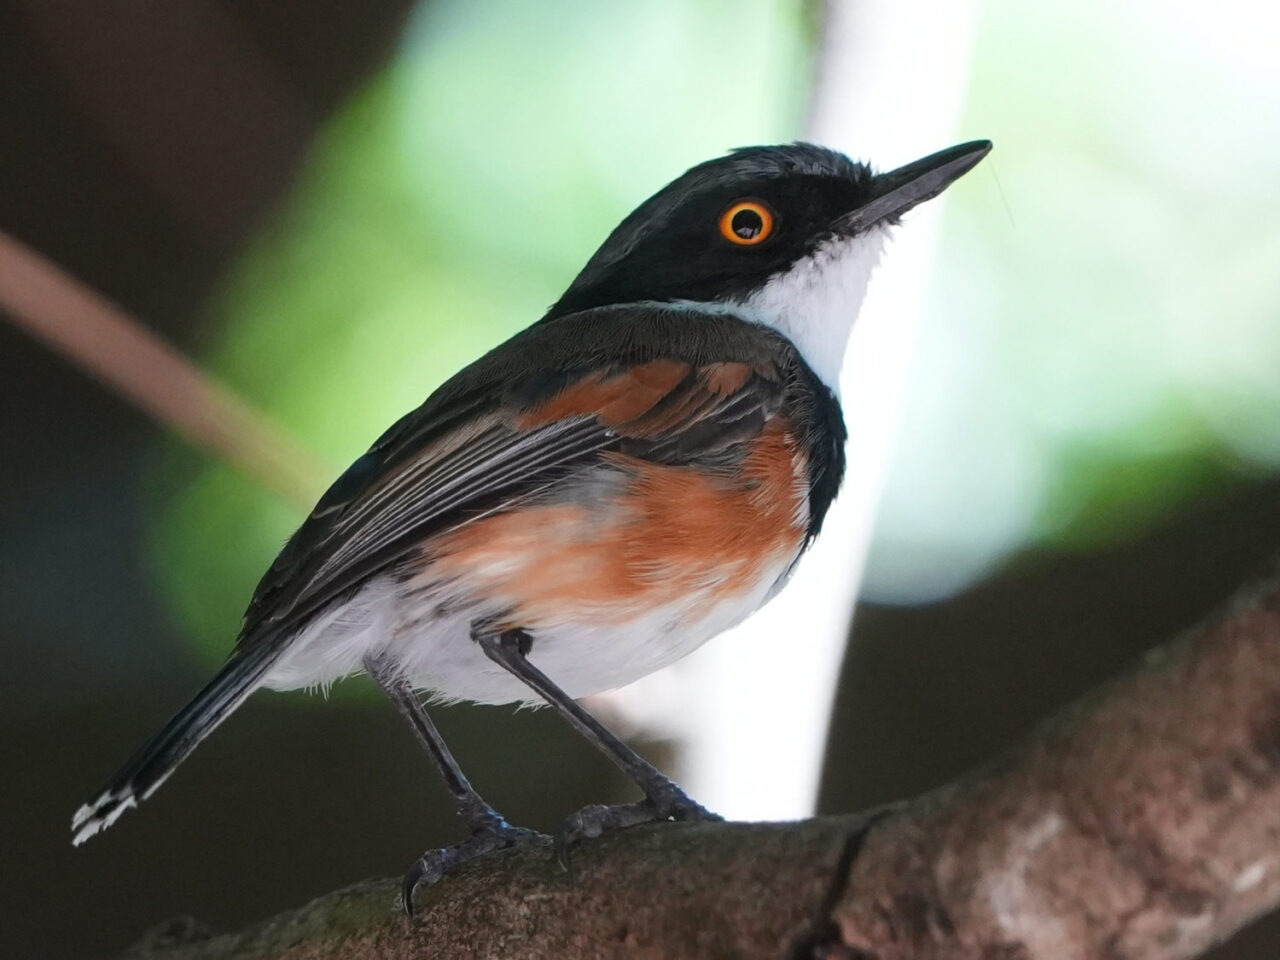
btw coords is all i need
(151, 766)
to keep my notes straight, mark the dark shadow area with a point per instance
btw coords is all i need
(292, 798)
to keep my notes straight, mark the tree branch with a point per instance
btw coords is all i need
(113, 347)
(1142, 823)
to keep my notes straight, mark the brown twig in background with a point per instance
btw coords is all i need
(1143, 823)
(111, 346)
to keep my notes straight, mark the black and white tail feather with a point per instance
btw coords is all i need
(151, 765)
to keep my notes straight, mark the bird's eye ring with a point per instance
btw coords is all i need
(746, 223)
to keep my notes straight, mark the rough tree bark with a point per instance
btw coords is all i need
(1142, 823)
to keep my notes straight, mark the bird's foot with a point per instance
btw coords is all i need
(666, 802)
(491, 835)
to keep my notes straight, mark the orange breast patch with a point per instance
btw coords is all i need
(616, 399)
(663, 534)
(628, 400)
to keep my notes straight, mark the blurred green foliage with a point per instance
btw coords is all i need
(1107, 347)
(1093, 356)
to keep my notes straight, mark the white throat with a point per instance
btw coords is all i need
(815, 303)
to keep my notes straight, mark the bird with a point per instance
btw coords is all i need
(637, 471)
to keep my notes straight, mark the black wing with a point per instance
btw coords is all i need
(668, 385)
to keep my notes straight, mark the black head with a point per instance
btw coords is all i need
(728, 225)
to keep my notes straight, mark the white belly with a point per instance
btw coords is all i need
(429, 634)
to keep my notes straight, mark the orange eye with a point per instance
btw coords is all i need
(746, 223)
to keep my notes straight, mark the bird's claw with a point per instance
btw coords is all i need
(434, 864)
(670, 803)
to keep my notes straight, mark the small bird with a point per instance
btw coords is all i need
(593, 499)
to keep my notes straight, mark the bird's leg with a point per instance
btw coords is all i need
(663, 800)
(489, 830)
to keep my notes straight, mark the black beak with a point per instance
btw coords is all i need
(896, 192)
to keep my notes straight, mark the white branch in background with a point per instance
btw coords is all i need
(750, 709)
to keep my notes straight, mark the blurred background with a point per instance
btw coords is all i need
(1064, 394)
